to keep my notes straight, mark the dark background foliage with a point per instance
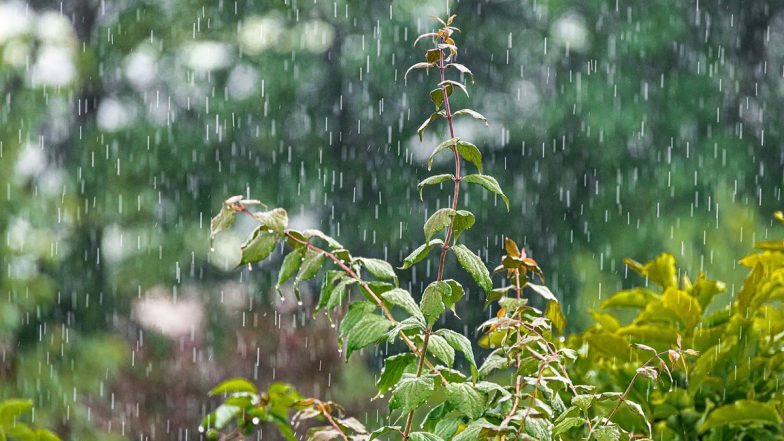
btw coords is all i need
(616, 128)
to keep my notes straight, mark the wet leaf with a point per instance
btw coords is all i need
(369, 329)
(394, 367)
(489, 183)
(467, 399)
(422, 65)
(438, 221)
(420, 253)
(471, 113)
(460, 343)
(433, 180)
(289, 266)
(259, 246)
(432, 303)
(438, 347)
(474, 266)
(228, 387)
(403, 299)
(660, 270)
(275, 220)
(452, 83)
(411, 392)
(378, 268)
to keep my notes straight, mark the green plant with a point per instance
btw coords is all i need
(13, 428)
(734, 389)
(521, 389)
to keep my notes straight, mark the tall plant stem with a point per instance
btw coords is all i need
(518, 377)
(445, 246)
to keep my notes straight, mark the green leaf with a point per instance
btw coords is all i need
(333, 290)
(462, 69)
(394, 367)
(466, 399)
(411, 392)
(428, 121)
(683, 305)
(464, 220)
(403, 299)
(456, 294)
(439, 347)
(470, 153)
(467, 151)
(437, 96)
(438, 221)
(741, 412)
(474, 266)
(422, 65)
(259, 246)
(567, 423)
(556, 316)
(461, 343)
(631, 298)
(233, 385)
(433, 180)
(221, 416)
(311, 265)
(420, 253)
(409, 324)
(543, 291)
(333, 244)
(369, 329)
(471, 113)
(222, 221)
(356, 311)
(45, 435)
(460, 86)
(289, 266)
(12, 408)
(489, 183)
(275, 220)
(472, 431)
(379, 268)
(607, 433)
(424, 436)
(660, 270)
(432, 303)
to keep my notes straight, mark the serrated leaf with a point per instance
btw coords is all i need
(369, 329)
(420, 253)
(474, 266)
(456, 294)
(432, 303)
(403, 299)
(460, 343)
(259, 246)
(378, 268)
(464, 220)
(607, 433)
(394, 367)
(438, 221)
(233, 385)
(356, 311)
(439, 347)
(467, 399)
(565, 424)
(471, 113)
(289, 266)
(433, 180)
(489, 183)
(409, 324)
(411, 392)
(421, 65)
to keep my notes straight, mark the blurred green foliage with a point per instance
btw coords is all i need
(622, 127)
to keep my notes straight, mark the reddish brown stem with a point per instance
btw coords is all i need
(410, 417)
(629, 387)
(456, 193)
(331, 420)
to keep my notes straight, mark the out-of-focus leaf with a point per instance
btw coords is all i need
(631, 298)
(741, 412)
(233, 385)
(684, 306)
(556, 316)
(660, 270)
